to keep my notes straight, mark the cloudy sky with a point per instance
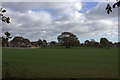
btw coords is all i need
(88, 20)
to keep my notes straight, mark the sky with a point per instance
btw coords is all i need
(47, 20)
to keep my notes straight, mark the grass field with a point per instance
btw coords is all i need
(56, 62)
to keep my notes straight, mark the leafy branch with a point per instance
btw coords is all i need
(2, 17)
(109, 7)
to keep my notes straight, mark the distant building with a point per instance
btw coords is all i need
(53, 43)
(116, 44)
(33, 44)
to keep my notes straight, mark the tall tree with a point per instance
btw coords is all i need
(68, 39)
(39, 42)
(104, 42)
(44, 43)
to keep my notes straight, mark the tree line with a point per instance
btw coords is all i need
(66, 39)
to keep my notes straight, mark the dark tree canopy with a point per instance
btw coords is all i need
(40, 42)
(87, 42)
(3, 17)
(53, 42)
(44, 43)
(91, 43)
(7, 35)
(104, 42)
(68, 39)
(20, 41)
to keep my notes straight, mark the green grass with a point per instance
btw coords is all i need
(78, 62)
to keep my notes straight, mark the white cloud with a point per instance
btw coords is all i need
(99, 12)
(48, 25)
(57, 7)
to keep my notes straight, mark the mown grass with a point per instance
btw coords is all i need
(59, 62)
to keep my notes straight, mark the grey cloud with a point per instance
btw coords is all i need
(44, 25)
(57, 7)
(99, 12)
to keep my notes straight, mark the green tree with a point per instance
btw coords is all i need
(110, 44)
(87, 43)
(20, 41)
(40, 42)
(91, 43)
(44, 43)
(53, 43)
(96, 44)
(68, 39)
(104, 42)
